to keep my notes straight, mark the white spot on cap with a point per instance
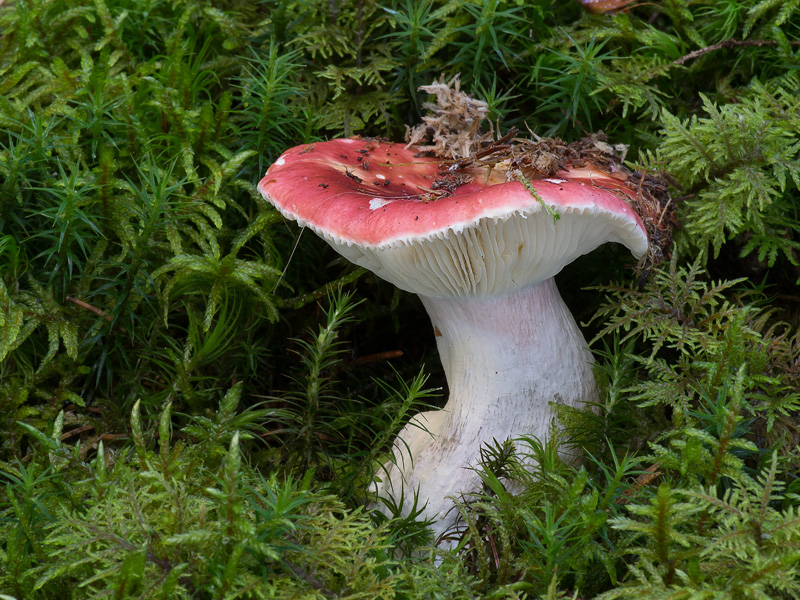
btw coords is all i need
(280, 161)
(377, 203)
(379, 176)
(556, 181)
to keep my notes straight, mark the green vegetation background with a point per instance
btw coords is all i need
(189, 401)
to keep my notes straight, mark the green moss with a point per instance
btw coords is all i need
(178, 418)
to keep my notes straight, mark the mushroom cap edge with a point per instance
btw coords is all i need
(483, 239)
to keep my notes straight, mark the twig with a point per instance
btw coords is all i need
(106, 437)
(370, 358)
(315, 583)
(76, 431)
(291, 255)
(110, 437)
(300, 301)
(322, 436)
(95, 310)
(726, 44)
(644, 479)
(495, 554)
(274, 432)
(497, 146)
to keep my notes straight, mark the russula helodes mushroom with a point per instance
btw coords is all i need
(481, 253)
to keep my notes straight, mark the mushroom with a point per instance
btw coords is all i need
(481, 253)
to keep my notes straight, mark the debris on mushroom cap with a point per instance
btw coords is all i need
(375, 194)
(453, 131)
(526, 159)
(452, 127)
(604, 6)
(403, 196)
(487, 237)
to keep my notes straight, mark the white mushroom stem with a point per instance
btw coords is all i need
(506, 359)
(513, 348)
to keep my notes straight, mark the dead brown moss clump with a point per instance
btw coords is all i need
(452, 128)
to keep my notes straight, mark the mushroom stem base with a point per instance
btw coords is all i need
(506, 360)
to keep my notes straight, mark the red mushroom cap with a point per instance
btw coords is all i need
(372, 201)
